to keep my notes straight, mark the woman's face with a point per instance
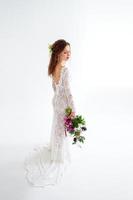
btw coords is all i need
(65, 54)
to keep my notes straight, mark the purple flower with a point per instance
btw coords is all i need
(70, 128)
(84, 128)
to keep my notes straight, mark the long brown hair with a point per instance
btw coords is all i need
(56, 48)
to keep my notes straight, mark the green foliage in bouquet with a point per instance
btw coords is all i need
(78, 120)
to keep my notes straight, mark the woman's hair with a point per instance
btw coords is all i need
(56, 48)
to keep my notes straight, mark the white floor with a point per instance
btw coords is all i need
(101, 170)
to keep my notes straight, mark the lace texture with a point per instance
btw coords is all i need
(46, 165)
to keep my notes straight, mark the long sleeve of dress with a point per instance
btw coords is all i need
(67, 90)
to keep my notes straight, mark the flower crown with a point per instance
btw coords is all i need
(50, 48)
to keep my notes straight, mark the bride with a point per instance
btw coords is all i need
(47, 164)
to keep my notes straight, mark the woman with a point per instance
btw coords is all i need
(48, 164)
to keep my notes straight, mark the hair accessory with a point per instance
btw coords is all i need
(50, 48)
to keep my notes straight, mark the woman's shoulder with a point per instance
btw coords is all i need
(65, 69)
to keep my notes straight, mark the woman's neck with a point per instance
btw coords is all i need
(61, 64)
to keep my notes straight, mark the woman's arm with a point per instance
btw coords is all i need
(68, 93)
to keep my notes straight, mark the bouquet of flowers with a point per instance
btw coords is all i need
(74, 126)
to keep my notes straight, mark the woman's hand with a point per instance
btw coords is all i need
(72, 114)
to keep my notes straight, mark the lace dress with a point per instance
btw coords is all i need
(47, 164)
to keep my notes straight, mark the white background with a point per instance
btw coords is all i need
(101, 38)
